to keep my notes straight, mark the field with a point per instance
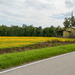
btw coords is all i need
(38, 48)
(10, 42)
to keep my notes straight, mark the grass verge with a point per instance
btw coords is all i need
(15, 59)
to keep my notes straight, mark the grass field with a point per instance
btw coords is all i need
(15, 59)
(9, 42)
(18, 58)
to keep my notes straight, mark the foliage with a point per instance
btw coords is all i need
(27, 31)
(69, 21)
(15, 59)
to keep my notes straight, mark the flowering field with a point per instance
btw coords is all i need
(9, 58)
(9, 42)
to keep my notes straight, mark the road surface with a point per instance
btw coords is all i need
(60, 65)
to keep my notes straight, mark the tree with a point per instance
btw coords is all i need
(38, 31)
(69, 21)
(3, 30)
(59, 31)
(72, 21)
(49, 31)
(14, 30)
(46, 32)
(52, 31)
(58, 28)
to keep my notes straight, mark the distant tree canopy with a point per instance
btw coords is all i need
(69, 21)
(28, 31)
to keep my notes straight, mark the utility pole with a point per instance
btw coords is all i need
(71, 23)
(72, 13)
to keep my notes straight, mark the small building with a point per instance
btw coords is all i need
(59, 33)
(69, 32)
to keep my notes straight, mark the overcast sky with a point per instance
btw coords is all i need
(35, 12)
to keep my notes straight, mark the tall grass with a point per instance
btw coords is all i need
(15, 59)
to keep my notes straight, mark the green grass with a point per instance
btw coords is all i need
(15, 59)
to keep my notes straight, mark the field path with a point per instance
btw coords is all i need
(59, 65)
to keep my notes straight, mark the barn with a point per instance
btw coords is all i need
(69, 32)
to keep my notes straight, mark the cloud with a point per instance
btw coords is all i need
(37, 12)
(58, 16)
(70, 3)
(37, 4)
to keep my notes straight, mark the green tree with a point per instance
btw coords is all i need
(39, 31)
(66, 22)
(69, 21)
(3, 30)
(52, 31)
(72, 21)
(46, 32)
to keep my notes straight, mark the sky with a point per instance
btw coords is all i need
(35, 12)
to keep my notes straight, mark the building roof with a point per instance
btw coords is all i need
(72, 27)
(68, 31)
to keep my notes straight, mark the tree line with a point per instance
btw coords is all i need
(28, 31)
(36, 31)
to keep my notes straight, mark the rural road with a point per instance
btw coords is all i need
(59, 65)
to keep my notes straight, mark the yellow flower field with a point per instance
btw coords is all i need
(9, 42)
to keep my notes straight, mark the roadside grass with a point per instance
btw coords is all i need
(15, 59)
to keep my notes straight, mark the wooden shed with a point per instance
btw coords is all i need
(69, 32)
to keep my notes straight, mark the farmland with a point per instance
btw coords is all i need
(15, 49)
(10, 42)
